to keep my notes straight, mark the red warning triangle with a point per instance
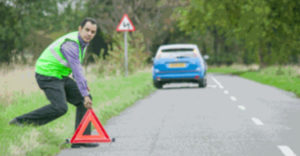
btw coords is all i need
(78, 137)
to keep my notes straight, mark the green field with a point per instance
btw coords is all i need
(286, 78)
(110, 97)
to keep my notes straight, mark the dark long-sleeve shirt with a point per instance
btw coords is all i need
(70, 50)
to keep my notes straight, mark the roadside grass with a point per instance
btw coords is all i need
(111, 95)
(283, 77)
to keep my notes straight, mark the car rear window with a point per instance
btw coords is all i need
(175, 53)
(178, 50)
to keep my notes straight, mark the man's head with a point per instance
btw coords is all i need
(87, 29)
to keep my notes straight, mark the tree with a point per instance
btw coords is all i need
(266, 31)
(20, 18)
(151, 18)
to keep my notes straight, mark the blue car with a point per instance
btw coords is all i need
(178, 63)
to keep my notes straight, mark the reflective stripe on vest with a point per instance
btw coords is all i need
(62, 61)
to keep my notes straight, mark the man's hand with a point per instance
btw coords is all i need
(88, 102)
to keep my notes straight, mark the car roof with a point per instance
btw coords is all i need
(170, 46)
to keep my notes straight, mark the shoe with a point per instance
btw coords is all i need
(16, 122)
(88, 145)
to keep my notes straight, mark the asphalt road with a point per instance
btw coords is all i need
(231, 117)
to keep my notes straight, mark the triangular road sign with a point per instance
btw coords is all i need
(78, 137)
(125, 24)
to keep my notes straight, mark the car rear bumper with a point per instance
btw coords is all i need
(179, 77)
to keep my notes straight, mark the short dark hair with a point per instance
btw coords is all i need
(88, 19)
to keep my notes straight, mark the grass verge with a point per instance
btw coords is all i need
(110, 97)
(283, 77)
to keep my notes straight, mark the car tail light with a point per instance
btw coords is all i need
(196, 53)
(158, 55)
(197, 77)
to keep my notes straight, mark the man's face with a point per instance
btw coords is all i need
(88, 32)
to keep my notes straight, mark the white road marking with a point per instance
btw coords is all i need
(242, 107)
(286, 150)
(217, 82)
(226, 92)
(257, 121)
(233, 98)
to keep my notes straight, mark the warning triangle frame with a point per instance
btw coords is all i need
(79, 137)
(122, 30)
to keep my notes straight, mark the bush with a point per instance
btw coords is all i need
(113, 64)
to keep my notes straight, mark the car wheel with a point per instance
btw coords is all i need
(202, 83)
(157, 85)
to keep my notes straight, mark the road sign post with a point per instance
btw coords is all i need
(126, 53)
(125, 25)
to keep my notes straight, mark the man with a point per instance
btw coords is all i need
(61, 58)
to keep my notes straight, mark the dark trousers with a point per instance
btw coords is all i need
(58, 92)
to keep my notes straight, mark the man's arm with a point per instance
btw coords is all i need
(70, 50)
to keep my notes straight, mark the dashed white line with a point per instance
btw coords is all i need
(257, 121)
(242, 107)
(233, 98)
(286, 150)
(217, 82)
(226, 92)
